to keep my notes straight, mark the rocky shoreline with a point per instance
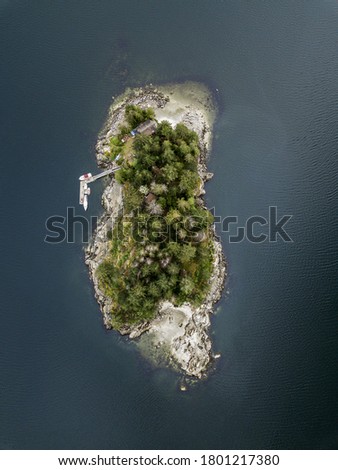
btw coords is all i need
(180, 333)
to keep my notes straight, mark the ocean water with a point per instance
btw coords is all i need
(65, 381)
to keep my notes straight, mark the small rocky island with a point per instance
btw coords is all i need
(156, 262)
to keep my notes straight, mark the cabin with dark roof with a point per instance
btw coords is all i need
(147, 127)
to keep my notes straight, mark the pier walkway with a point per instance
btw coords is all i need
(89, 178)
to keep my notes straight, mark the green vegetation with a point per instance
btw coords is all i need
(135, 115)
(162, 246)
(116, 146)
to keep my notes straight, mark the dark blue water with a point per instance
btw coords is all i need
(65, 381)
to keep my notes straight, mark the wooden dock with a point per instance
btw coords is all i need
(89, 178)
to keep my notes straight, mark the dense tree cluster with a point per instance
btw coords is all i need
(162, 247)
(134, 115)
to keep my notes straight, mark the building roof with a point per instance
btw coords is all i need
(150, 198)
(147, 127)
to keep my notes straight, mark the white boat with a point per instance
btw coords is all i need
(85, 177)
(89, 178)
(85, 202)
(86, 193)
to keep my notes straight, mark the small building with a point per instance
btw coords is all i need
(150, 198)
(147, 127)
(125, 138)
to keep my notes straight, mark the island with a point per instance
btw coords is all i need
(156, 262)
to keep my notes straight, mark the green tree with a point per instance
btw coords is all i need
(173, 269)
(190, 159)
(183, 205)
(187, 285)
(174, 248)
(165, 130)
(159, 189)
(189, 182)
(132, 198)
(187, 253)
(183, 133)
(162, 284)
(172, 216)
(168, 156)
(170, 172)
(184, 149)
(154, 291)
(135, 115)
